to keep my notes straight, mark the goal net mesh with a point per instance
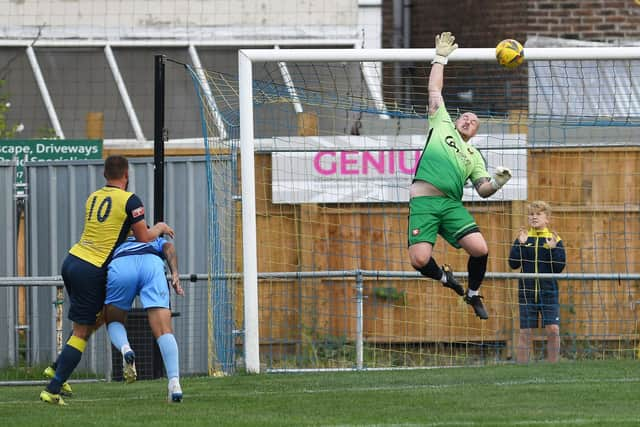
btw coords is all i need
(336, 145)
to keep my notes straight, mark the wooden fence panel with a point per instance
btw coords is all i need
(595, 200)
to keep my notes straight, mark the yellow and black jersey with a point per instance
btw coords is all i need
(535, 256)
(109, 214)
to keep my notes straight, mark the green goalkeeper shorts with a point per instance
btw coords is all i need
(433, 215)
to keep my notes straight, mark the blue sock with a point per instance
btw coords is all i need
(118, 335)
(54, 365)
(169, 350)
(67, 361)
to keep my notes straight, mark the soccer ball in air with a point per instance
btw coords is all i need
(509, 53)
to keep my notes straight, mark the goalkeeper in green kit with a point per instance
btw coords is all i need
(435, 207)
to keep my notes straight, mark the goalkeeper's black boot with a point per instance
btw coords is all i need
(476, 302)
(452, 283)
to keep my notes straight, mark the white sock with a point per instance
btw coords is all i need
(471, 292)
(125, 349)
(173, 381)
(443, 279)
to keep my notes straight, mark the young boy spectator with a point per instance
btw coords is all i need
(538, 250)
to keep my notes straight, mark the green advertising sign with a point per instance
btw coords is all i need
(43, 150)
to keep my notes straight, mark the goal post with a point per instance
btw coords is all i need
(249, 245)
(249, 58)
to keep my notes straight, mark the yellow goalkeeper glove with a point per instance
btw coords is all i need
(500, 177)
(444, 46)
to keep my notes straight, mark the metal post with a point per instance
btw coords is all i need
(124, 94)
(159, 138)
(359, 321)
(59, 317)
(213, 106)
(44, 92)
(291, 88)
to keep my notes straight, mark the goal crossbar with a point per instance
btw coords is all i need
(468, 54)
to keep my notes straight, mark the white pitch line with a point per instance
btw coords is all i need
(129, 397)
(497, 383)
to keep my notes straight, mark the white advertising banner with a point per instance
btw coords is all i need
(358, 169)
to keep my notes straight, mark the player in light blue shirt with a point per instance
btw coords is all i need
(137, 269)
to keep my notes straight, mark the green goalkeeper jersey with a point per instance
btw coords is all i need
(447, 161)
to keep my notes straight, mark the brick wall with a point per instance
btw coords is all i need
(483, 23)
(473, 26)
(604, 20)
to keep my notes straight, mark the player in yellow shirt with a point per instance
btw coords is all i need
(110, 213)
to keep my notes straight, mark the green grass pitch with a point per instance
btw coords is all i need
(585, 393)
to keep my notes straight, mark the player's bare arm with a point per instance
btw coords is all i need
(486, 187)
(169, 252)
(445, 44)
(144, 234)
(435, 87)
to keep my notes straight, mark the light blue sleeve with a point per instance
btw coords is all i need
(158, 244)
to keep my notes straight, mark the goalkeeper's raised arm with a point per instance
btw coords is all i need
(445, 44)
(468, 123)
